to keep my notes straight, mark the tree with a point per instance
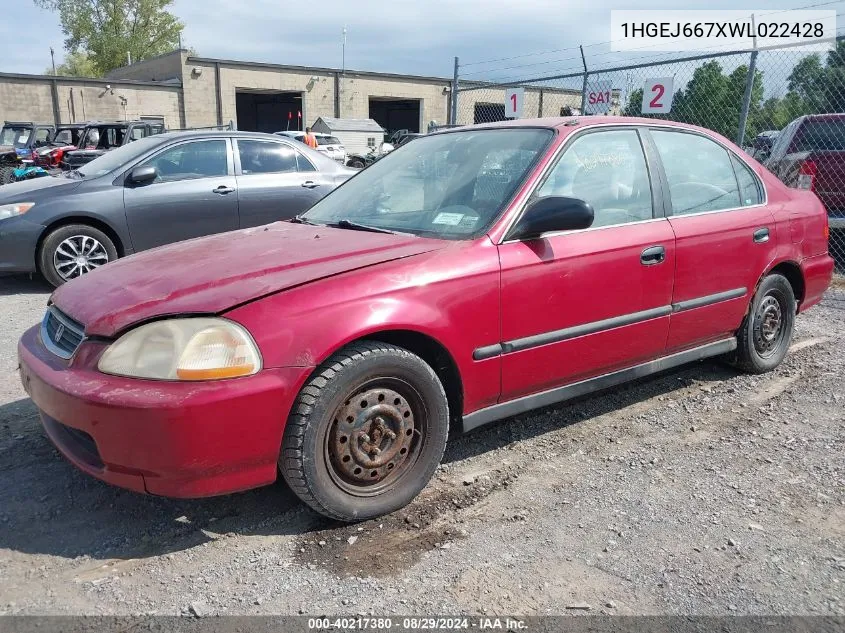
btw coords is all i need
(108, 31)
(75, 65)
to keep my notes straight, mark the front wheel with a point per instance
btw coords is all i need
(366, 433)
(765, 334)
(73, 250)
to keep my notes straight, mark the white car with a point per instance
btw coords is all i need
(326, 144)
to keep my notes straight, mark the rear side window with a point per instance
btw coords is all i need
(263, 157)
(327, 140)
(699, 170)
(303, 164)
(42, 134)
(607, 170)
(749, 186)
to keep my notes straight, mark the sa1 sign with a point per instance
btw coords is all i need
(597, 99)
(657, 95)
(514, 98)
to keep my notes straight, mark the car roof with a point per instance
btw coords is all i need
(215, 133)
(578, 122)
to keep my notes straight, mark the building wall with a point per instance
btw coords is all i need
(84, 101)
(26, 100)
(199, 93)
(161, 68)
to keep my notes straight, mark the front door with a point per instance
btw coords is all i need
(275, 182)
(194, 194)
(725, 236)
(582, 303)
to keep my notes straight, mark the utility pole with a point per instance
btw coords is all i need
(342, 73)
(53, 59)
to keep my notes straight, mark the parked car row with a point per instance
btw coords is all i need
(470, 275)
(161, 188)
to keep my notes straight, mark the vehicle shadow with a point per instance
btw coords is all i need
(49, 507)
(23, 284)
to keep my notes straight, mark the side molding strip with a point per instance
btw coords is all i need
(567, 392)
(700, 302)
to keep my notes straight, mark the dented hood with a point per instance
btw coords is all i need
(212, 274)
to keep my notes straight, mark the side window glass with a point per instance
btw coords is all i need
(607, 170)
(198, 159)
(303, 164)
(749, 188)
(699, 172)
(138, 132)
(42, 134)
(262, 157)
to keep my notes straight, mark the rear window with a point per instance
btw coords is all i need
(328, 140)
(824, 135)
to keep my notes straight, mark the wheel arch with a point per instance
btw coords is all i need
(792, 272)
(79, 218)
(432, 351)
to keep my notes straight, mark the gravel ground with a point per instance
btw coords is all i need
(700, 491)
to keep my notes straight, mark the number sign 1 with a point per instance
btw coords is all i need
(657, 95)
(514, 98)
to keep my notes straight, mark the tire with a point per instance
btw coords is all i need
(7, 175)
(356, 163)
(766, 332)
(50, 258)
(331, 464)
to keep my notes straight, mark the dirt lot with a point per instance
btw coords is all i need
(699, 491)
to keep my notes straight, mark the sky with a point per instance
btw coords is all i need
(401, 36)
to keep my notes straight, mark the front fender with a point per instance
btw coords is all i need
(450, 296)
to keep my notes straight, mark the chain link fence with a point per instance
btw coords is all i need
(785, 107)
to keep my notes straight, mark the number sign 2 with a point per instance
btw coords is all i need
(514, 98)
(657, 95)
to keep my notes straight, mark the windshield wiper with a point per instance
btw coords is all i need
(347, 224)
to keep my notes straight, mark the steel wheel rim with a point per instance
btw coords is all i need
(383, 440)
(769, 327)
(77, 255)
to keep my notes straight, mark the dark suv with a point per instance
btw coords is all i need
(18, 140)
(101, 136)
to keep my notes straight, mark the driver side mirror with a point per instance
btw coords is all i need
(143, 175)
(550, 214)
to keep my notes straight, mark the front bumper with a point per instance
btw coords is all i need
(18, 243)
(165, 438)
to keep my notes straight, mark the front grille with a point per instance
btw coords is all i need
(61, 334)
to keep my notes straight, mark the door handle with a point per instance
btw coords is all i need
(222, 190)
(653, 255)
(310, 184)
(761, 235)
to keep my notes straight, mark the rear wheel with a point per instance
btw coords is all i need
(357, 163)
(765, 334)
(73, 250)
(366, 432)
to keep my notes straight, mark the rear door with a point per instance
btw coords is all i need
(725, 235)
(275, 181)
(194, 194)
(578, 304)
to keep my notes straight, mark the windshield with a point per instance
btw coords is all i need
(327, 140)
(17, 136)
(451, 186)
(118, 157)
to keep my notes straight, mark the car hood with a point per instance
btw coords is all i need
(212, 274)
(17, 191)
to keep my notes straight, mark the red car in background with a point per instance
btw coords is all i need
(469, 276)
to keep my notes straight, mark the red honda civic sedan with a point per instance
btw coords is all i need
(464, 278)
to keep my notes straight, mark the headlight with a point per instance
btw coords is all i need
(11, 210)
(183, 349)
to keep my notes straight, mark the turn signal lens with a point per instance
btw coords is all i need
(12, 210)
(183, 349)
